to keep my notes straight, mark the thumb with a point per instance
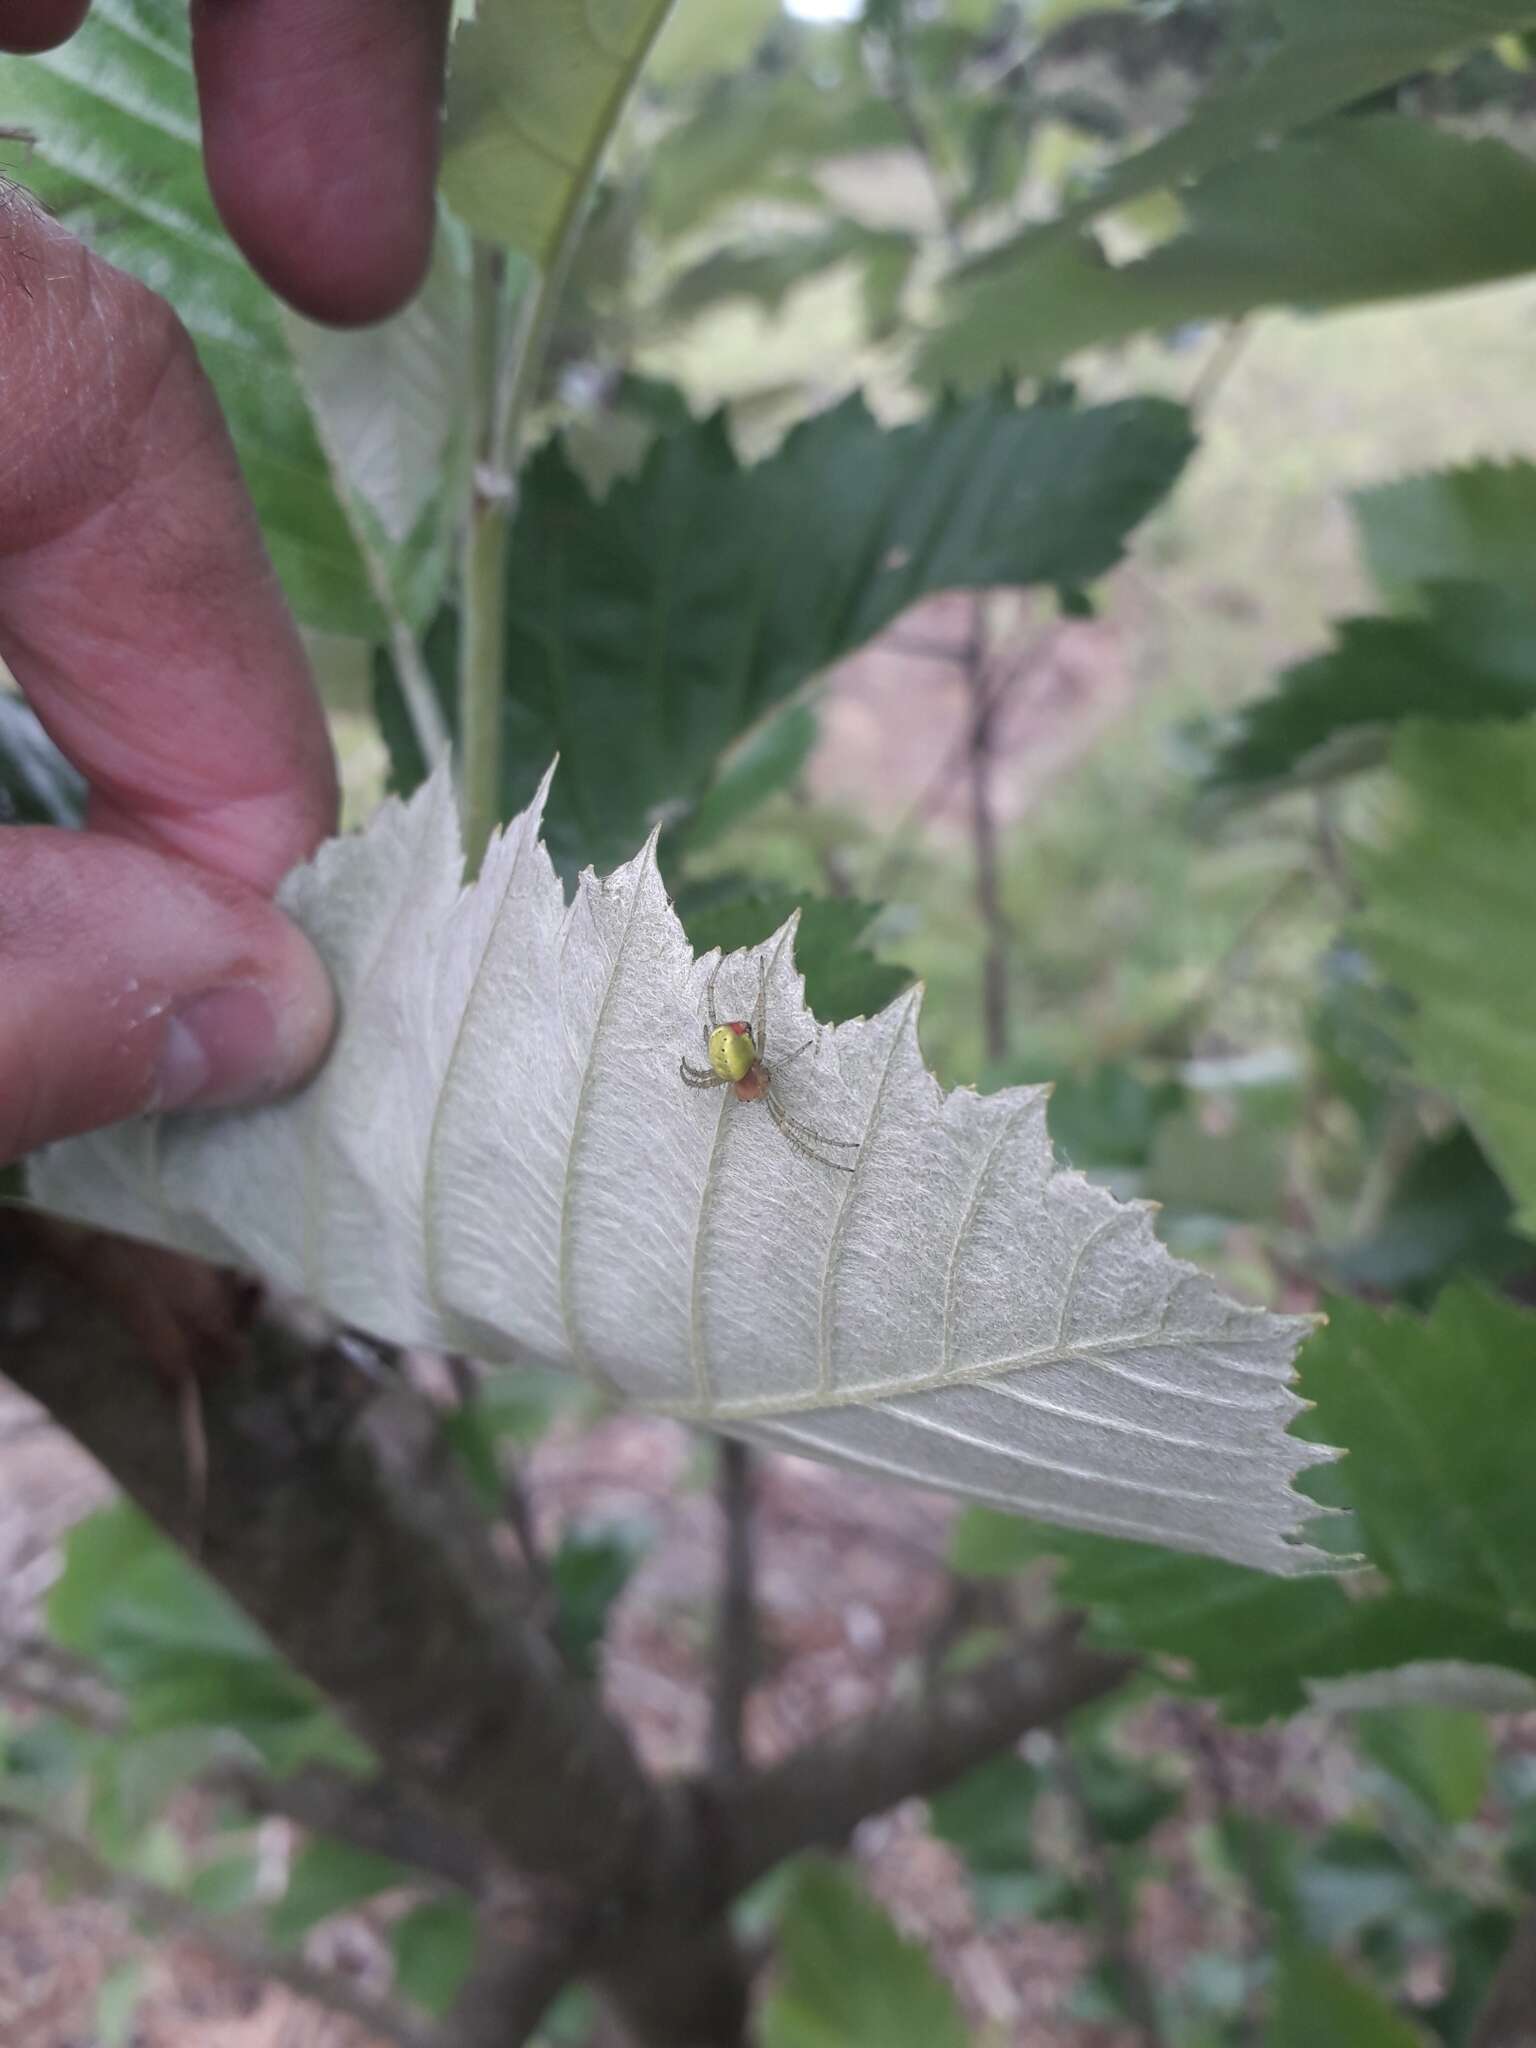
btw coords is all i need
(132, 981)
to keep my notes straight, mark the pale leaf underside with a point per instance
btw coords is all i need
(500, 1156)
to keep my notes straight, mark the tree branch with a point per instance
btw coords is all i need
(1508, 2017)
(237, 1943)
(336, 1521)
(818, 1795)
(736, 1614)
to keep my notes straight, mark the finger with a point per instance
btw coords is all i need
(320, 125)
(137, 606)
(39, 24)
(132, 981)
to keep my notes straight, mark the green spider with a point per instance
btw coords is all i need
(736, 1061)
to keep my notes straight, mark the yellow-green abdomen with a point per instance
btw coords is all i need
(731, 1051)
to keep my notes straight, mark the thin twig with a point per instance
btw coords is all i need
(979, 755)
(1007, 673)
(236, 1942)
(736, 1641)
(1204, 1743)
(1114, 1923)
(1218, 367)
(819, 1794)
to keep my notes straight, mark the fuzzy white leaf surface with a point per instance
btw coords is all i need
(500, 1155)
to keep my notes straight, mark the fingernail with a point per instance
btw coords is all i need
(218, 1049)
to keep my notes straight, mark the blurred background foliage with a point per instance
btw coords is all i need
(1203, 783)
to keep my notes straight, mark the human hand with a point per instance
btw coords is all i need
(141, 964)
(320, 134)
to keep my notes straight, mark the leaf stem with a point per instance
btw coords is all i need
(507, 367)
(482, 581)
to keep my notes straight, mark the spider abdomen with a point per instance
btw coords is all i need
(732, 1051)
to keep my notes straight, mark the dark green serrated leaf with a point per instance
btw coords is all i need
(647, 631)
(848, 1979)
(1250, 1639)
(1439, 1419)
(434, 1947)
(327, 1877)
(117, 158)
(1361, 210)
(1475, 524)
(1471, 657)
(37, 784)
(1318, 2004)
(1448, 1216)
(842, 980)
(1449, 885)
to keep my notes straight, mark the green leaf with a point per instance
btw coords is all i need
(848, 1979)
(1366, 209)
(589, 1571)
(183, 1654)
(387, 404)
(1252, 1640)
(37, 784)
(118, 159)
(1439, 1419)
(1352, 1880)
(1449, 887)
(1472, 657)
(1110, 1116)
(327, 1877)
(705, 36)
(767, 272)
(1124, 1799)
(434, 1947)
(1441, 1754)
(989, 1818)
(1448, 1216)
(1327, 58)
(842, 979)
(1476, 524)
(648, 631)
(534, 90)
(1318, 2004)
(227, 1883)
(767, 761)
(117, 2001)
(757, 138)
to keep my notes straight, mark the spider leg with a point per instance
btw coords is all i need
(709, 995)
(803, 1138)
(760, 1018)
(700, 1077)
